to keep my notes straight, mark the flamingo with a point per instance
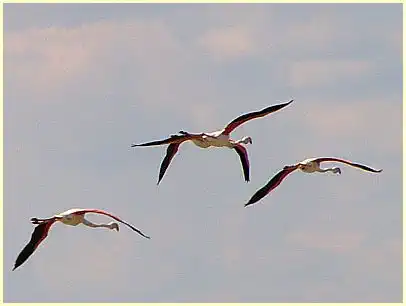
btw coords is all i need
(220, 138)
(71, 217)
(308, 166)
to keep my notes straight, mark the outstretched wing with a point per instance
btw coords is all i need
(102, 212)
(39, 234)
(272, 184)
(242, 153)
(332, 159)
(170, 153)
(243, 118)
(171, 139)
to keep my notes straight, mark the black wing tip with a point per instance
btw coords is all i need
(142, 234)
(279, 106)
(251, 201)
(134, 145)
(16, 265)
(159, 181)
(286, 103)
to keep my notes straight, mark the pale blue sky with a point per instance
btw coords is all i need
(83, 82)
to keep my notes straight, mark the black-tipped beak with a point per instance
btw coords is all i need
(34, 221)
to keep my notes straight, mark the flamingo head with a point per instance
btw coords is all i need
(35, 221)
(114, 226)
(336, 170)
(246, 140)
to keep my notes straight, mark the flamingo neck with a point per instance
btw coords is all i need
(326, 170)
(91, 224)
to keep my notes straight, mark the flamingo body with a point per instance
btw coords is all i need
(309, 165)
(215, 139)
(71, 217)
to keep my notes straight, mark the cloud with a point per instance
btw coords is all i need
(336, 241)
(43, 59)
(144, 60)
(312, 34)
(228, 43)
(353, 119)
(51, 58)
(318, 73)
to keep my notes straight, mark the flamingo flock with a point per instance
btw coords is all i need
(219, 139)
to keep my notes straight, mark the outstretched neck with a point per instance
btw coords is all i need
(91, 224)
(334, 170)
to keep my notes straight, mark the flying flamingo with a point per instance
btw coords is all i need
(219, 138)
(308, 166)
(71, 217)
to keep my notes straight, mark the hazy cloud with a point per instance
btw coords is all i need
(228, 43)
(313, 73)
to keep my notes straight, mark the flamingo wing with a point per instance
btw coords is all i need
(171, 139)
(272, 184)
(39, 234)
(102, 212)
(170, 153)
(243, 118)
(363, 167)
(242, 153)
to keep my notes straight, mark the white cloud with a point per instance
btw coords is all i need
(228, 43)
(374, 124)
(144, 58)
(335, 241)
(318, 73)
(50, 58)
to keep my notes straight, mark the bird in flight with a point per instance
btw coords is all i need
(219, 138)
(308, 166)
(71, 217)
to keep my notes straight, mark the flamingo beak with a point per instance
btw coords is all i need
(34, 221)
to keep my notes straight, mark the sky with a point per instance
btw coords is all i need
(82, 82)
